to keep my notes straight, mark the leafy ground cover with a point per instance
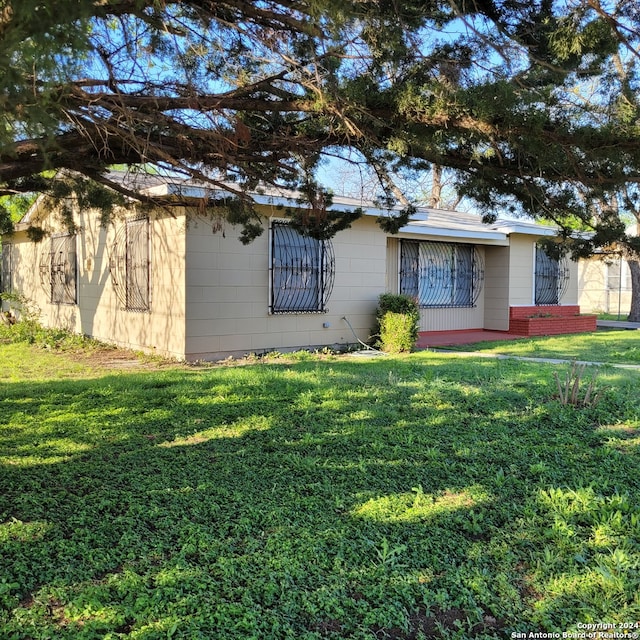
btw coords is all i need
(335, 497)
(605, 345)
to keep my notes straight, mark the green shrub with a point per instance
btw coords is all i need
(398, 317)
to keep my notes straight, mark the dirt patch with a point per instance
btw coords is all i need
(327, 627)
(431, 624)
(107, 357)
(120, 359)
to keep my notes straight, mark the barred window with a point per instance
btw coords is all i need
(130, 265)
(302, 271)
(551, 278)
(6, 282)
(439, 274)
(58, 269)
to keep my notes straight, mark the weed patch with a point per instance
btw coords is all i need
(29, 330)
(576, 388)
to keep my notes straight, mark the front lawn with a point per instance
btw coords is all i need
(320, 498)
(622, 316)
(621, 346)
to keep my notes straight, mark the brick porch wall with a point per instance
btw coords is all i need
(547, 320)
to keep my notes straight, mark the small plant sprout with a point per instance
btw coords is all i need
(388, 555)
(394, 379)
(576, 389)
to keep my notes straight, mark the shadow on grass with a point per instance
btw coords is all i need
(315, 500)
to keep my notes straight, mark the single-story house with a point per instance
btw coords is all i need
(177, 282)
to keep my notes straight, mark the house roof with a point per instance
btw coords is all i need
(425, 222)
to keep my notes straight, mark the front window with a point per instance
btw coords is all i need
(302, 271)
(58, 270)
(440, 274)
(551, 278)
(130, 265)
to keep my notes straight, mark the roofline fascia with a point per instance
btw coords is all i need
(525, 229)
(481, 237)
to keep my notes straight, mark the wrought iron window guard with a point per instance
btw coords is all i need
(441, 275)
(302, 271)
(130, 265)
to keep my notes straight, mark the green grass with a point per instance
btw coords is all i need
(622, 316)
(605, 345)
(321, 498)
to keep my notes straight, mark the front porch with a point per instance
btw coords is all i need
(524, 321)
(435, 339)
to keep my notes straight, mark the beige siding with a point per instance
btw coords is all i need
(393, 265)
(25, 277)
(452, 319)
(98, 311)
(571, 295)
(496, 288)
(522, 289)
(521, 269)
(227, 294)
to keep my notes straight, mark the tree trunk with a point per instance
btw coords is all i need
(634, 313)
(436, 187)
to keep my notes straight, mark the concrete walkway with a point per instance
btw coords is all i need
(618, 324)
